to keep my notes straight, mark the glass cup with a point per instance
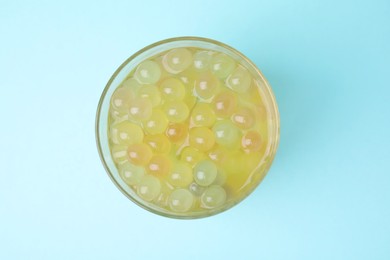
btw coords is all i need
(269, 108)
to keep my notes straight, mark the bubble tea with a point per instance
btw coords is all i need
(188, 131)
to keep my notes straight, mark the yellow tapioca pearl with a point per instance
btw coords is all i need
(159, 166)
(150, 92)
(126, 133)
(214, 196)
(219, 155)
(130, 173)
(244, 118)
(181, 200)
(172, 89)
(149, 187)
(202, 138)
(176, 112)
(157, 122)
(177, 60)
(159, 143)
(205, 172)
(121, 98)
(252, 141)
(239, 80)
(180, 175)
(222, 65)
(139, 154)
(148, 72)
(140, 109)
(191, 155)
(225, 104)
(203, 115)
(206, 86)
(177, 132)
(227, 134)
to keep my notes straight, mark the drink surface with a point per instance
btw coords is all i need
(188, 130)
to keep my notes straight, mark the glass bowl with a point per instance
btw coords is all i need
(263, 88)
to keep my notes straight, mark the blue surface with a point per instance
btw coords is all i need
(327, 195)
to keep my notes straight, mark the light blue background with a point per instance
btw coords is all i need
(327, 195)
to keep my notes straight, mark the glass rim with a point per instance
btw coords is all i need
(273, 147)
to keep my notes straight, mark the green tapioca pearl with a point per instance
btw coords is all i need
(181, 200)
(214, 196)
(240, 80)
(177, 60)
(202, 60)
(176, 111)
(148, 72)
(227, 134)
(150, 92)
(149, 187)
(205, 172)
(222, 65)
(130, 173)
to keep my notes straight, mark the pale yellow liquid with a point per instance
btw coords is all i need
(204, 130)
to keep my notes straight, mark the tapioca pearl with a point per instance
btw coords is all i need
(157, 122)
(140, 109)
(196, 189)
(177, 60)
(227, 134)
(130, 173)
(191, 155)
(119, 153)
(221, 177)
(176, 112)
(214, 196)
(188, 78)
(162, 198)
(119, 116)
(219, 154)
(177, 133)
(181, 174)
(205, 172)
(252, 141)
(172, 89)
(159, 166)
(239, 81)
(222, 65)
(150, 92)
(126, 133)
(159, 143)
(149, 187)
(203, 115)
(225, 104)
(243, 118)
(132, 84)
(121, 99)
(148, 72)
(206, 86)
(202, 138)
(202, 60)
(181, 200)
(139, 154)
